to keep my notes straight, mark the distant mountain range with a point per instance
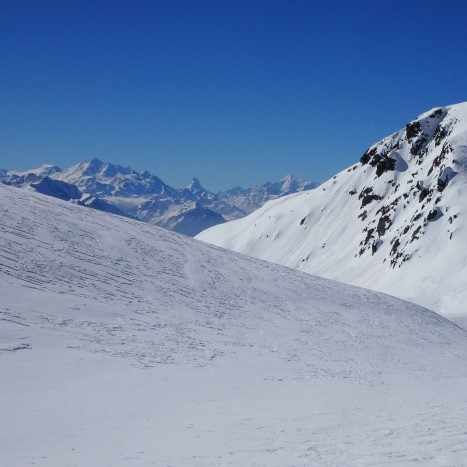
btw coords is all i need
(393, 222)
(124, 191)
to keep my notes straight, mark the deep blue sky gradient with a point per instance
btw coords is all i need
(233, 92)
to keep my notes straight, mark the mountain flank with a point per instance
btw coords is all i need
(395, 221)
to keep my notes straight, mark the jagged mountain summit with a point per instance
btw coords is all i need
(146, 197)
(104, 179)
(122, 343)
(195, 186)
(394, 222)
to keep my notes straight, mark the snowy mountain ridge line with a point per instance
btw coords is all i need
(121, 340)
(146, 197)
(393, 222)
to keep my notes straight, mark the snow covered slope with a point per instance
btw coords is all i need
(125, 344)
(189, 219)
(394, 222)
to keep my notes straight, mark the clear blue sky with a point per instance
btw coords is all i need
(233, 92)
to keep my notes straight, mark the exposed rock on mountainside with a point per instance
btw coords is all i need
(392, 222)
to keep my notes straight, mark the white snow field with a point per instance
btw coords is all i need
(123, 344)
(393, 222)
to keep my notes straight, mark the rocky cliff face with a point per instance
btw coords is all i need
(418, 165)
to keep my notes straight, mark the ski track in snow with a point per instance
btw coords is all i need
(123, 344)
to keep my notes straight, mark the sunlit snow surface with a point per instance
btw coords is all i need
(400, 230)
(124, 344)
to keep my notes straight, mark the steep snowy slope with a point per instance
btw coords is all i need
(393, 222)
(124, 344)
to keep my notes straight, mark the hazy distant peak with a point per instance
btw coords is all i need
(96, 161)
(90, 168)
(104, 169)
(288, 178)
(49, 169)
(289, 184)
(44, 170)
(195, 185)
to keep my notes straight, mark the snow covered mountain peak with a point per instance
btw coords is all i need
(106, 179)
(92, 167)
(397, 213)
(146, 197)
(110, 170)
(26, 177)
(97, 167)
(291, 184)
(44, 170)
(411, 171)
(288, 180)
(195, 185)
